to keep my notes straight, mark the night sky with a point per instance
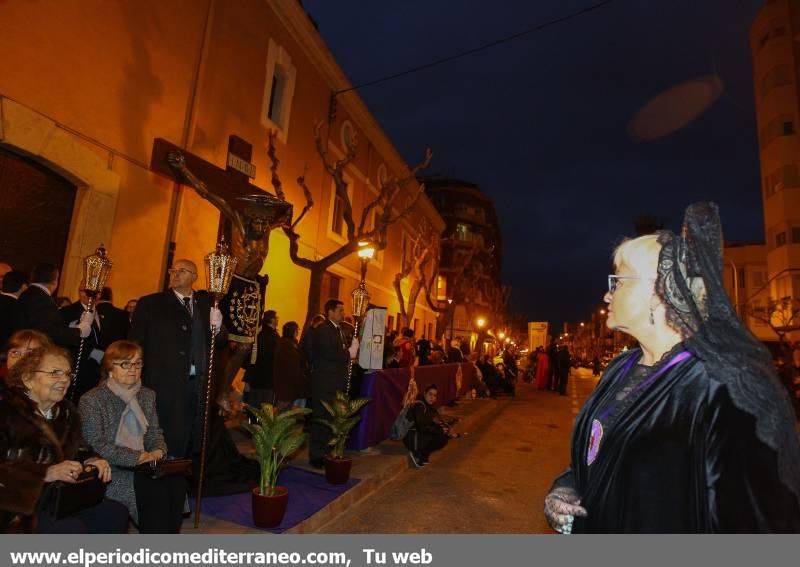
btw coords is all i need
(556, 127)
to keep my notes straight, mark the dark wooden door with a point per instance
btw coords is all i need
(35, 212)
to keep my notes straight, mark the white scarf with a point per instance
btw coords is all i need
(132, 424)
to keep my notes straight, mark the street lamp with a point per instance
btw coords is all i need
(366, 251)
(452, 318)
(480, 322)
(501, 335)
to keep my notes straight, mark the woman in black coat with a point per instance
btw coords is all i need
(44, 428)
(291, 375)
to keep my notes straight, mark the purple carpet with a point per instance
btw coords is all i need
(309, 493)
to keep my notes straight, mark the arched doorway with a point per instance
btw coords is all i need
(36, 207)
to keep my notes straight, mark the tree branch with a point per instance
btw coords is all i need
(301, 181)
(276, 180)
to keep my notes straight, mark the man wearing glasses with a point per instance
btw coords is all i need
(173, 328)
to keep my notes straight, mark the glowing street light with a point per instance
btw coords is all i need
(480, 322)
(501, 335)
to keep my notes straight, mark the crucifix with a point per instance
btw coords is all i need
(248, 216)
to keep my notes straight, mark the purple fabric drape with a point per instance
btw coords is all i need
(386, 388)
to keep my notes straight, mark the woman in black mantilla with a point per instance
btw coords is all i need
(690, 433)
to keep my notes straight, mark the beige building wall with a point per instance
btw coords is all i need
(776, 75)
(86, 85)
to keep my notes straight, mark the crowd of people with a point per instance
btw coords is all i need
(109, 396)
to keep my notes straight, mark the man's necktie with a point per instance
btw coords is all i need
(187, 303)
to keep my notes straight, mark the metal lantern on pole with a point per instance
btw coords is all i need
(366, 251)
(96, 269)
(220, 266)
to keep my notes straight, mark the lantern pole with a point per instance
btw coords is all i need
(96, 269)
(219, 270)
(366, 250)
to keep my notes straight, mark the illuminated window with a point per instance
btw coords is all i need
(441, 287)
(278, 90)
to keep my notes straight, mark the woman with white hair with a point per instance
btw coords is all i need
(691, 432)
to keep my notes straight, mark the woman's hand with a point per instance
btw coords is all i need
(560, 508)
(150, 456)
(65, 471)
(103, 468)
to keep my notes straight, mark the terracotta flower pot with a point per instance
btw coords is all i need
(268, 511)
(337, 471)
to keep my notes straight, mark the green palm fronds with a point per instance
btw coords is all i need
(343, 418)
(276, 436)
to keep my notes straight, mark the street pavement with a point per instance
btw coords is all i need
(491, 481)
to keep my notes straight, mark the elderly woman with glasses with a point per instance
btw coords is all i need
(44, 428)
(120, 422)
(691, 432)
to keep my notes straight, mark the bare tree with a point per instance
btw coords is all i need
(422, 266)
(383, 207)
(470, 285)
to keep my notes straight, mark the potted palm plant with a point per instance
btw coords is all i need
(342, 419)
(276, 436)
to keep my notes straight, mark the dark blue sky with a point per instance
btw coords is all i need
(542, 123)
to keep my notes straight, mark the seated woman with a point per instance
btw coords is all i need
(430, 431)
(120, 422)
(44, 376)
(18, 345)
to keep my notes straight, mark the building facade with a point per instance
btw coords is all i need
(471, 259)
(760, 275)
(87, 86)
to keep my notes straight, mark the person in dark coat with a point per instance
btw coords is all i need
(552, 355)
(110, 325)
(429, 432)
(423, 350)
(40, 311)
(329, 354)
(564, 365)
(173, 329)
(11, 315)
(258, 377)
(454, 353)
(290, 373)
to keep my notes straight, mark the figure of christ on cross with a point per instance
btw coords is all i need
(251, 223)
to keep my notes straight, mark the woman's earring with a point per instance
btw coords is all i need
(652, 319)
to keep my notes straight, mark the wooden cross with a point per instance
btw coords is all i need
(230, 183)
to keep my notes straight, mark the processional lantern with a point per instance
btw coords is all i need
(220, 267)
(96, 269)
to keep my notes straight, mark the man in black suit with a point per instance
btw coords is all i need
(110, 324)
(328, 351)
(173, 329)
(14, 283)
(41, 313)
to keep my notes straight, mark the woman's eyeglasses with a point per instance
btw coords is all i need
(58, 373)
(19, 353)
(127, 365)
(614, 281)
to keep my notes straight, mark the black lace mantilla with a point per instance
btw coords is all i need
(690, 284)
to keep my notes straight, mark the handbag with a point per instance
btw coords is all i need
(165, 467)
(21, 485)
(402, 424)
(69, 498)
